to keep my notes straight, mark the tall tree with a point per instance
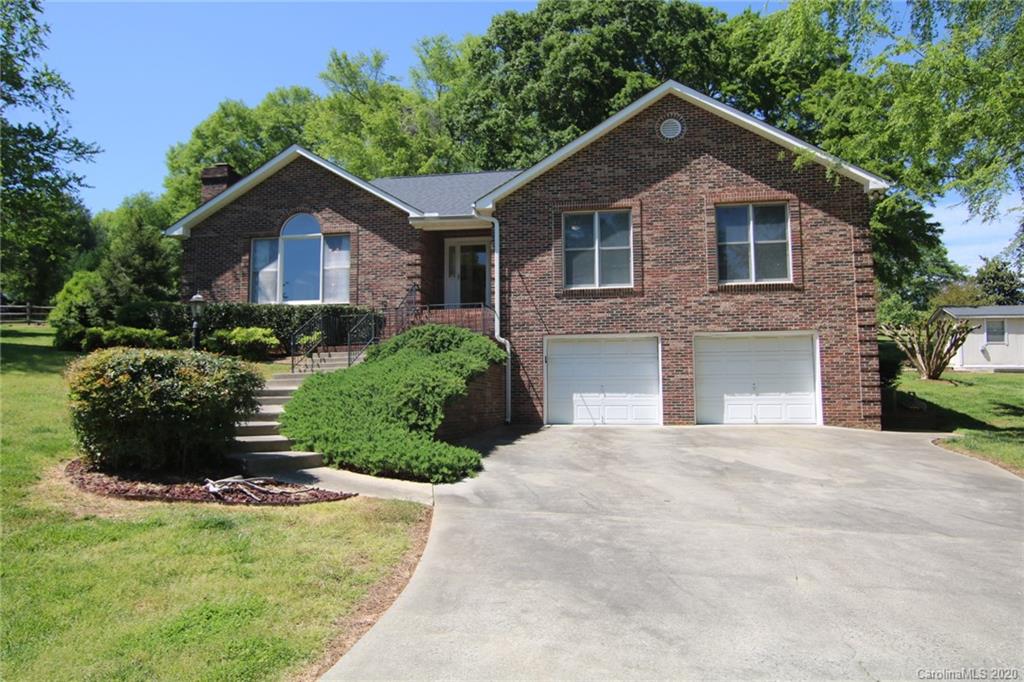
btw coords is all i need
(374, 126)
(246, 137)
(934, 94)
(999, 282)
(40, 219)
(139, 262)
(40, 248)
(541, 78)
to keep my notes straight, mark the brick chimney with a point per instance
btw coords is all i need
(216, 179)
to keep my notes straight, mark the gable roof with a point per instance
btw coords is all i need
(985, 311)
(449, 195)
(868, 180)
(183, 226)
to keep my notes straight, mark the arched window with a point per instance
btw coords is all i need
(301, 266)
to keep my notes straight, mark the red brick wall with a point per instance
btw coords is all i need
(385, 248)
(672, 187)
(483, 406)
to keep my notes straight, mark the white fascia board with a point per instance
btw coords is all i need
(183, 227)
(869, 181)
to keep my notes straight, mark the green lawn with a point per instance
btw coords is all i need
(114, 590)
(986, 411)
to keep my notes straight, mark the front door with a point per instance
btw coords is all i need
(467, 267)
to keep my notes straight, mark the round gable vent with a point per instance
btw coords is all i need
(671, 128)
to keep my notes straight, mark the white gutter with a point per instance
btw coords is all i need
(496, 250)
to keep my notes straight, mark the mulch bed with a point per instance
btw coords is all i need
(171, 488)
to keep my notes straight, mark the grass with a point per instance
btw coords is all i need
(95, 588)
(985, 411)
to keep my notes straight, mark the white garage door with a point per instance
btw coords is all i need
(756, 380)
(603, 381)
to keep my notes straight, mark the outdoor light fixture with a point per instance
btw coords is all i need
(196, 303)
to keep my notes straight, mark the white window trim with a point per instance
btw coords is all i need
(596, 248)
(1004, 342)
(281, 239)
(751, 258)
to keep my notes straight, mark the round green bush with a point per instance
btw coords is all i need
(147, 410)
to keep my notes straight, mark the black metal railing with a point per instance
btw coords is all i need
(361, 335)
(306, 342)
(477, 317)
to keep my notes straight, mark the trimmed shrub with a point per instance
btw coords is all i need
(282, 320)
(154, 410)
(131, 337)
(379, 417)
(249, 343)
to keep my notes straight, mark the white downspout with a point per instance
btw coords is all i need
(496, 249)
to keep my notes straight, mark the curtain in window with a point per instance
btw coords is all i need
(263, 279)
(336, 269)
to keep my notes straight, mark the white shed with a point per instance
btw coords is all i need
(997, 342)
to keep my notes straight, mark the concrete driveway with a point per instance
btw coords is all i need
(712, 552)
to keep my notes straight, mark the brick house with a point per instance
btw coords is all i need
(674, 265)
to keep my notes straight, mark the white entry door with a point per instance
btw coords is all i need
(603, 380)
(467, 268)
(756, 380)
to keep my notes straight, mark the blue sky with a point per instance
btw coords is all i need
(145, 74)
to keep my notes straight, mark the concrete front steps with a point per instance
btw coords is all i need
(259, 446)
(261, 450)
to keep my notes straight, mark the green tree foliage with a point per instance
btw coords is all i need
(42, 244)
(41, 222)
(136, 264)
(543, 77)
(246, 137)
(140, 263)
(374, 126)
(999, 282)
(933, 100)
(963, 293)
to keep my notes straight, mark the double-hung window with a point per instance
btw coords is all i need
(302, 265)
(753, 243)
(995, 331)
(598, 249)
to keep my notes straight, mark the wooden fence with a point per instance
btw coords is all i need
(31, 314)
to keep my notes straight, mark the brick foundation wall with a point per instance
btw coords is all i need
(385, 253)
(671, 187)
(482, 408)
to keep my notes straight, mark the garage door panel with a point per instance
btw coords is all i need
(755, 380)
(603, 381)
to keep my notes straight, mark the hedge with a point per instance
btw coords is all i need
(78, 310)
(146, 410)
(133, 337)
(380, 416)
(249, 343)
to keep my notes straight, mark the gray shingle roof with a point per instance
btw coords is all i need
(450, 194)
(986, 311)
